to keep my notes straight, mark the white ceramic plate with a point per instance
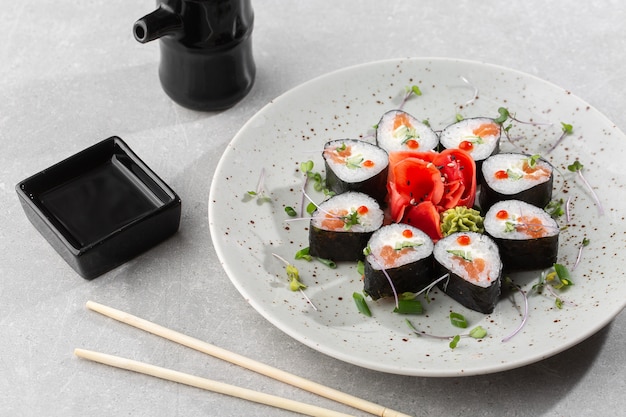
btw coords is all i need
(346, 104)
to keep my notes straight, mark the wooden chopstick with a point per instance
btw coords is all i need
(244, 362)
(207, 384)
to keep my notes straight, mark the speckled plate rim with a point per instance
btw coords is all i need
(345, 103)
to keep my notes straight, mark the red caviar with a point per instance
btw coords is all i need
(368, 163)
(502, 215)
(466, 146)
(412, 144)
(407, 233)
(362, 210)
(463, 240)
(501, 175)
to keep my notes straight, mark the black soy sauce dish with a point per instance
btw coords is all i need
(100, 207)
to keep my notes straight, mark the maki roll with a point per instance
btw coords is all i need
(399, 131)
(528, 238)
(400, 253)
(480, 137)
(355, 165)
(342, 225)
(475, 269)
(513, 176)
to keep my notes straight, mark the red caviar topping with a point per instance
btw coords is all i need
(362, 210)
(466, 146)
(368, 163)
(502, 215)
(501, 175)
(463, 240)
(412, 144)
(407, 233)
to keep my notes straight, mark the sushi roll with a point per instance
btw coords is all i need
(355, 165)
(475, 269)
(526, 235)
(402, 254)
(480, 137)
(342, 225)
(399, 131)
(514, 176)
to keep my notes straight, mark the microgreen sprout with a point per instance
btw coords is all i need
(477, 332)
(294, 279)
(408, 92)
(582, 245)
(552, 280)
(566, 130)
(303, 254)
(474, 94)
(577, 167)
(259, 192)
(361, 304)
(291, 212)
(458, 320)
(524, 315)
(555, 208)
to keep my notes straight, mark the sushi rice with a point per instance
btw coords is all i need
(344, 204)
(399, 131)
(409, 243)
(355, 160)
(509, 173)
(453, 256)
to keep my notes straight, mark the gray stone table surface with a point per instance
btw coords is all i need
(71, 74)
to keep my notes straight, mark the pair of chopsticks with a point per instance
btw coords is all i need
(231, 357)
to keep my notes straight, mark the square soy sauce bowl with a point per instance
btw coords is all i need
(100, 207)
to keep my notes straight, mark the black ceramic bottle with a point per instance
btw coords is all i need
(206, 50)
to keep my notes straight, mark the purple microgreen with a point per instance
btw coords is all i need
(524, 315)
(409, 306)
(259, 192)
(458, 320)
(477, 332)
(408, 92)
(577, 167)
(504, 115)
(294, 279)
(455, 341)
(566, 130)
(557, 278)
(582, 246)
(568, 215)
(474, 94)
(426, 290)
(361, 304)
(555, 208)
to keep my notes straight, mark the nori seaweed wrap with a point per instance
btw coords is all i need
(526, 235)
(402, 254)
(512, 176)
(355, 165)
(475, 269)
(342, 225)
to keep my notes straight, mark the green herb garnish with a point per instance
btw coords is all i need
(361, 304)
(408, 306)
(577, 167)
(458, 320)
(466, 255)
